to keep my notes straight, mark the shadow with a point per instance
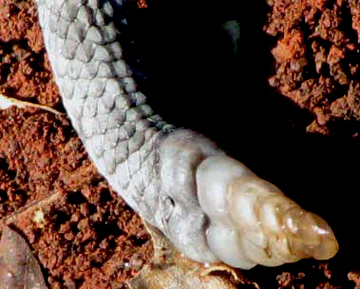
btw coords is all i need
(183, 62)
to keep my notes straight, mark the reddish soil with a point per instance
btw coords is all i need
(86, 236)
(82, 233)
(317, 60)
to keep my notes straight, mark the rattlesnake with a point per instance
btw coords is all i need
(210, 206)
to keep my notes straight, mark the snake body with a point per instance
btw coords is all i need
(160, 171)
(121, 134)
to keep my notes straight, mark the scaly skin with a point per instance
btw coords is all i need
(160, 171)
(132, 148)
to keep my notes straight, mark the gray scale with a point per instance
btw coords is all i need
(133, 114)
(121, 152)
(97, 127)
(78, 109)
(94, 35)
(68, 89)
(142, 125)
(124, 176)
(97, 145)
(84, 18)
(145, 110)
(81, 88)
(129, 84)
(90, 69)
(139, 97)
(120, 132)
(122, 102)
(126, 130)
(99, 18)
(103, 54)
(106, 70)
(69, 50)
(121, 69)
(116, 118)
(136, 142)
(108, 9)
(53, 21)
(90, 106)
(73, 69)
(87, 126)
(107, 103)
(116, 49)
(111, 138)
(63, 27)
(110, 32)
(134, 163)
(103, 122)
(109, 159)
(85, 51)
(71, 9)
(56, 6)
(96, 87)
(76, 32)
(94, 4)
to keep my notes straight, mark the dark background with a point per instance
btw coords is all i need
(183, 61)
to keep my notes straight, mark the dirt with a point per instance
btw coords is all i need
(317, 61)
(83, 234)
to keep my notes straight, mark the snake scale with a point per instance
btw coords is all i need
(210, 206)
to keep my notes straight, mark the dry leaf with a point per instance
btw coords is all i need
(18, 266)
(168, 269)
(6, 102)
